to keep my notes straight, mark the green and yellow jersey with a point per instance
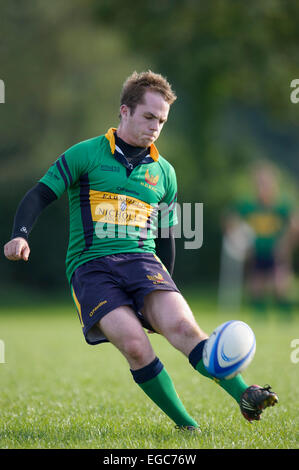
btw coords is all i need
(113, 206)
(267, 222)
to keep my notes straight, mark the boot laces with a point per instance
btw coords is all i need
(267, 388)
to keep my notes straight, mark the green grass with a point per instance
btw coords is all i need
(59, 392)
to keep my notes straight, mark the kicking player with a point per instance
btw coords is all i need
(116, 184)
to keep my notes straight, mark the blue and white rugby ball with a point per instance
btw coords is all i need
(229, 350)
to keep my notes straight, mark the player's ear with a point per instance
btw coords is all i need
(124, 111)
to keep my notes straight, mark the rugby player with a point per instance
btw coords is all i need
(274, 226)
(116, 183)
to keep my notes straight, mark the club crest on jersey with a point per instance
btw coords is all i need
(123, 206)
(151, 179)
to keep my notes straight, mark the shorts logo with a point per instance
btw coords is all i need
(156, 278)
(151, 179)
(96, 308)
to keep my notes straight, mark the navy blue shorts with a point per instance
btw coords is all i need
(105, 283)
(264, 265)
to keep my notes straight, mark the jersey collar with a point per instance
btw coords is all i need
(110, 137)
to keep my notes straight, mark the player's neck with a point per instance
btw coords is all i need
(128, 149)
(266, 202)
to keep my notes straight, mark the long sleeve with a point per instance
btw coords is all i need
(30, 207)
(165, 249)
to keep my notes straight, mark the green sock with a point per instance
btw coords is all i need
(160, 390)
(259, 305)
(235, 386)
(284, 305)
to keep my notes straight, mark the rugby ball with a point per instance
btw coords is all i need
(229, 350)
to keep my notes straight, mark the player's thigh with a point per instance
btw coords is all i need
(282, 278)
(170, 314)
(124, 331)
(257, 282)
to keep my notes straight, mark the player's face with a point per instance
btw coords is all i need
(142, 127)
(266, 187)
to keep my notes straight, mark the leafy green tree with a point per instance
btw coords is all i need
(62, 75)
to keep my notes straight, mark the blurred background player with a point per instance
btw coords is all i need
(260, 237)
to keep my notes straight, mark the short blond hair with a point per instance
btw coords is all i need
(137, 84)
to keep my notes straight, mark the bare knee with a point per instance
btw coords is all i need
(123, 330)
(183, 327)
(137, 351)
(184, 335)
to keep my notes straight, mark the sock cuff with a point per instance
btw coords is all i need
(148, 372)
(196, 354)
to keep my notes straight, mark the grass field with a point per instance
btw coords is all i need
(59, 392)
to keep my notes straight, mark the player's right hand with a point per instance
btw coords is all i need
(17, 249)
